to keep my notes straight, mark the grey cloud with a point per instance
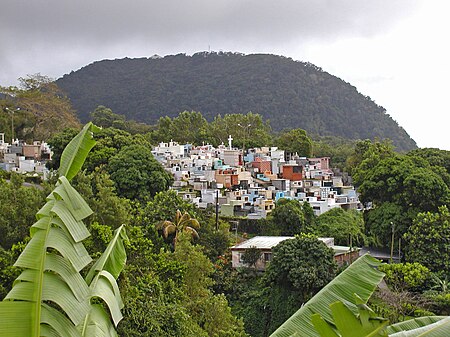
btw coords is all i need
(115, 19)
(45, 32)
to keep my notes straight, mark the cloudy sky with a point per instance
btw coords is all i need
(395, 51)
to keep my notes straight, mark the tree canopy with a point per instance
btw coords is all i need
(295, 141)
(346, 227)
(396, 187)
(299, 268)
(291, 217)
(137, 174)
(44, 109)
(428, 240)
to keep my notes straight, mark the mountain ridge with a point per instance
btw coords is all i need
(289, 93)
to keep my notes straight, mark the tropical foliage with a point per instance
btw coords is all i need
(340, 310)
(43, 109)
(346, 227)
(428, 240)
(183, 223)
(406, 276)
(15, 214)
(291, 217)
(361, 278)
(51, 263)
(137, 174)
(295, 141)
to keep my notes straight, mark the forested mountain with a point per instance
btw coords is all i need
(289, 93)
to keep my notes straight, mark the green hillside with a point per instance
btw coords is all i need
(289, 93)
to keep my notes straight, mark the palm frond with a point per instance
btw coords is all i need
(193, 232)
(170, 229)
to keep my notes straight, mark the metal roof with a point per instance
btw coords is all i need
(267, 242)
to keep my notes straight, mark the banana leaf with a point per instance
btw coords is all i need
(98, 324)
(429, 326)
(51, 262)
(346, 324)
(75, 153)
(361, 277)
(103, 285)
(114, 257)
(52, 259)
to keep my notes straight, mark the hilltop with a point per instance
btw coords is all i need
(291, 94)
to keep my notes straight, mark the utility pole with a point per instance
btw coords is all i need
(12, 122)
(392, 241)
(217, 210)
(245, 128)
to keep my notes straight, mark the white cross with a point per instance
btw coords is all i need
(229, 141)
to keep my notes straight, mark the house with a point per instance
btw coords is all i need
(322, 163)
(281, 184)
(262, 165)
(264, 204)
(3, 145)
(227, 177)
(292, 172)
(32, 151)
(262, 243)
(172, 148)
(342, 254)
(232, 157)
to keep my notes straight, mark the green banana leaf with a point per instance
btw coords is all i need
(114, 257)
(75, 153)
(421, 326)
(413, 323)
(361, 277)
(103, 285)
(10, 325)
(98, 324)
(441, 328)
(51, 262)
(346, 324)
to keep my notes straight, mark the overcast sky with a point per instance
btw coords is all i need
(395, 51)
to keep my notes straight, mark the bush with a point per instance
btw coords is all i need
(406, 276)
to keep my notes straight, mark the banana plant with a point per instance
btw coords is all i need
(334, 312)
(366, 324)
(346, 324)
(361, 277)
(50, 297)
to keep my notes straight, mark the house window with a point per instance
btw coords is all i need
(241, 260)
(267, 257)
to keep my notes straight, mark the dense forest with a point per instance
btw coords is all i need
(294, 94)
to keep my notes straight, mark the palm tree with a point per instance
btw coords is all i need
(183, 223)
